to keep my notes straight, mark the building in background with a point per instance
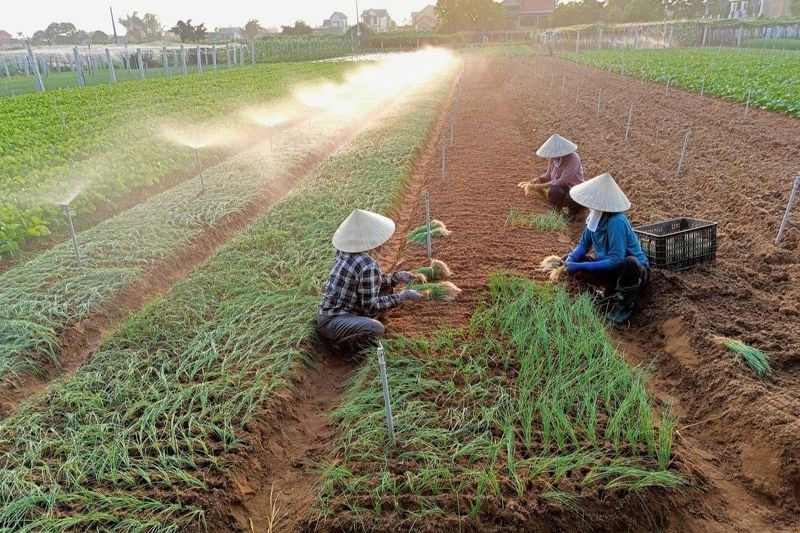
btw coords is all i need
(425, 19)
(6, 38)
(527, 13)
(336, 23)
(745, 9)
(378, 20)
(232, 33)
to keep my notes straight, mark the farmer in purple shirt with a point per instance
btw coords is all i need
(564, 171)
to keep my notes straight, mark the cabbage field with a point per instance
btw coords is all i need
(103, 140)
(773, 76)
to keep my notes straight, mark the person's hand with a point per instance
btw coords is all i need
(404, 277)
(565, 258)
(412, 296)
(572, 267)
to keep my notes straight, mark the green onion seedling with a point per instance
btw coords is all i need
(68, 216)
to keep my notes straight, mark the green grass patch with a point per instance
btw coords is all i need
(753, 357)
(550, 221)
(772, 44)
(133, 438)
(530, 403)
(773, 76)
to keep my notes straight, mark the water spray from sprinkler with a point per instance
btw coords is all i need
(68, 216)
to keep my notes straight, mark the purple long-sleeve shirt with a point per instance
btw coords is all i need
(566, 170)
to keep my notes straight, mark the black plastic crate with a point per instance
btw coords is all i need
(678, 244)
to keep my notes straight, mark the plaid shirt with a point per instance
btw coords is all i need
(355, 285)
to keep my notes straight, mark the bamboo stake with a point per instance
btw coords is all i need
(628, 127)
(387, 399)
(427, 199)
(683, 152)
(788, 211)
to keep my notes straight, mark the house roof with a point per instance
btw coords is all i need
(338, 14)
(5, 34)
(377, 12)
(531, 6)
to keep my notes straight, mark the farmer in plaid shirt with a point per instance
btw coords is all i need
(356, 291)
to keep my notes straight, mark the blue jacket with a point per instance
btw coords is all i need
(613, 241)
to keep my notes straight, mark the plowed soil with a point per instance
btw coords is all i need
(737, 434)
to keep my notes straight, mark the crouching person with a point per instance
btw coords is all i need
(564, 171)
(356, 291)
(619, 266)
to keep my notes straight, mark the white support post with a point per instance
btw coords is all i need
(253, 53)
(669, 82)
(214, 56)
(683, 153)
(577, 95)
(183, 60)
(669, 42)
(788, 211)
(165, 61)
(78, 67)
(702, 87)
(578, 42)
(600, 38)
(199, 60)
(140, 62)
(37, 77)
(5, 66)
(444, 147)
(705, 35)
(747, 105)
(112, 76)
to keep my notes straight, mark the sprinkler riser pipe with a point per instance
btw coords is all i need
(71, 226)
(387, 399)
(788, 211)
(200, 168)
(683, 153)
(628, 127)
(427, 199)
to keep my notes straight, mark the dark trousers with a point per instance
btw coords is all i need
(628, 274)
(349, 334)
(558, 196)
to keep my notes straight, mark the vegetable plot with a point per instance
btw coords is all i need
(772, 76)
(99, 140)
(134, 439)
(531, 405)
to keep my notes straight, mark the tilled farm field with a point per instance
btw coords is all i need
(735, 434)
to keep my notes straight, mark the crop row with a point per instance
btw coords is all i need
(42, 297)
(530, 404)
(129, 441)
(106, 138)
(770, 78)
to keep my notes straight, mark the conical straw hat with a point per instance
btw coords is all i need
(556, 146)
(362, 231)
(601, 193)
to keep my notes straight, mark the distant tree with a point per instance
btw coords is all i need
(692, 9)
(643, 11)
(366, 31)
(80, 37)
(189, 33)
(459, 15)
(252, 29)
(99, 37)
(40, 38)
(61, 33)
(582, 12)
(796, 8)
(142, 29)
(299, 28)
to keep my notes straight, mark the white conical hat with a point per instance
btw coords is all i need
(362, 231)
(556, 146)
(601, 193)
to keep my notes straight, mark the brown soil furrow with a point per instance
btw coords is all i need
(79, 341)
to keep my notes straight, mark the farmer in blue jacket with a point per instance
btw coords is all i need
(618, 265)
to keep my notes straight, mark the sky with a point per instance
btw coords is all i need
(90, 15)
